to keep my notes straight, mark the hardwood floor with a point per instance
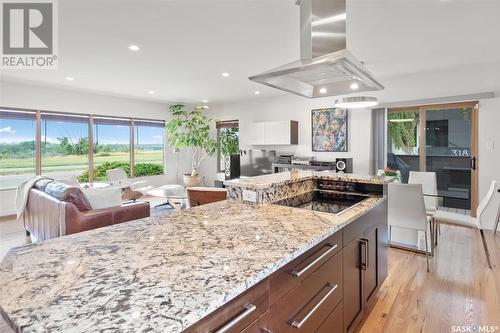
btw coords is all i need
(460, 289)
(12, 234)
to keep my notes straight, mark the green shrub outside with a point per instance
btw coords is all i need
(141, 169)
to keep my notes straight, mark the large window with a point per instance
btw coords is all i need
(111, 146)
(38, 142)
(17, 147)
(148, 145)
(65, 145)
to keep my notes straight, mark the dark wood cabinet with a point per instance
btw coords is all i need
(353, 284)
(334, 322)
(369, 243)
(237, 314)
(305, 307)
(328, 289)
(299, 269)
(259, 326)
(365, 263)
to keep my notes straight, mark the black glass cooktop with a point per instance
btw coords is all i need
(323, 201)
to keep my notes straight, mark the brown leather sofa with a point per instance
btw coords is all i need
(51, 215)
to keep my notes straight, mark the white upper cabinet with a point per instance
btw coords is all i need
(274, 133)
(256, 133)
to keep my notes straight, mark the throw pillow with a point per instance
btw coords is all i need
(68, 193)
(104, 197)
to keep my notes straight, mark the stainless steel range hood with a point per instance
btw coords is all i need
(326, 67)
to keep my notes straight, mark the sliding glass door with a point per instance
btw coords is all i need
(449, 153)
(441, 139)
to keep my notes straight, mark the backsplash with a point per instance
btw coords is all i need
(274, 192)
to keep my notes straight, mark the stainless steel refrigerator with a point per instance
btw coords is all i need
(256, 162)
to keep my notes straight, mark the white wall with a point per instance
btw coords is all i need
(19, 95)
(489, 159)
(291, 107)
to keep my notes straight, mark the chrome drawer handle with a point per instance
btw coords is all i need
(249, 309)
(365, 264)
(300, 323)
(298, 274)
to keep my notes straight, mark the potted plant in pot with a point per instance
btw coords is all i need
(191, 130)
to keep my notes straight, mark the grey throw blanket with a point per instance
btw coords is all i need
(22, 193)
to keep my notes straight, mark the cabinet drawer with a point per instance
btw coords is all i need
(376, 216)
(296, 271)
(258, 326)
(334, 322)
(305, 307)
(237, 314)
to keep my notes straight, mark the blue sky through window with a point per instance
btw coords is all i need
(15, 131)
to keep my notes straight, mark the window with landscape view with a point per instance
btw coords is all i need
(148, 148)
(65, 140)
(65, 145)
(111, 146)
(17, 147)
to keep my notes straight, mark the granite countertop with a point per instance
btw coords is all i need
(266, 181)
(159, 274)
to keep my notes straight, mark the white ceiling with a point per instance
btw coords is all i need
(414, 48)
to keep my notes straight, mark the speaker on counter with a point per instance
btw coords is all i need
(232, 169)
(343, 165)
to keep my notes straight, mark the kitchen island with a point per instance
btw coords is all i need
(161, 274)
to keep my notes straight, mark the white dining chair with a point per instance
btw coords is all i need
(456, 218)
(429, 186)
(406, 209)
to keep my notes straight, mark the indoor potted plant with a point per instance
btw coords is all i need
(388, 172)
(191, 129)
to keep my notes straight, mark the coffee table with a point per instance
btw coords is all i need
(175, 195)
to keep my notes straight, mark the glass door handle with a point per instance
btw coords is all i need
(473, 163)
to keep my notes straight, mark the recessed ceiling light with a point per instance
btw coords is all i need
(256, 92)
(225, 74)
(151, 92)
(204, 101)
(70, 78)
(134, 48)
(322, 91)
(354, 86)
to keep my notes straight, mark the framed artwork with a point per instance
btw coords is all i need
(329, 130)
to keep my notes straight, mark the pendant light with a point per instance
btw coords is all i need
(356, 102)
